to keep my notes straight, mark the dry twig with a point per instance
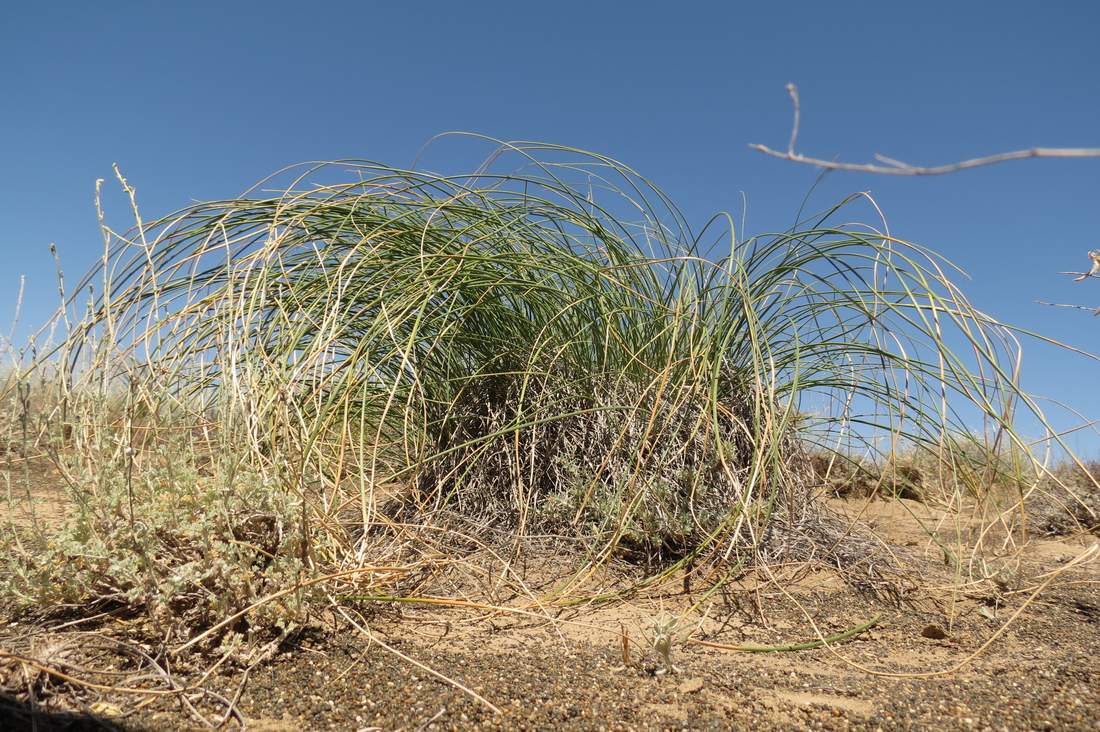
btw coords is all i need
(1092, 273)
(891, 166)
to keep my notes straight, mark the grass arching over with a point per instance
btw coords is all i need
(547, 351)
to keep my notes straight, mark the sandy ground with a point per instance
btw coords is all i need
(566, 669)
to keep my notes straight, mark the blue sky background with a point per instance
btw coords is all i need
(199, 100)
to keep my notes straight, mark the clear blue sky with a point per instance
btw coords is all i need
(198, 100)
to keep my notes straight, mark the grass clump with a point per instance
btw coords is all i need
(543, 349)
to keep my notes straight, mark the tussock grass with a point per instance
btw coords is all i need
(542, 347)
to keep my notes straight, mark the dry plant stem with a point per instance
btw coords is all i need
(895, 167)
(535, 600)
(152, 695)
(805, 646)
(19, 658)
(904, 169)
(446, 679)
(1085, 557)
(493, 610)
(1087, 308)
(230, 706)
(281, 593)
(429, 722)
(1080, 277)
(354, 663)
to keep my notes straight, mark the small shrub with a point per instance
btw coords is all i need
(165, 540)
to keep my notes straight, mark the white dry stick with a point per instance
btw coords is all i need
(896, 167)
(1094, 255)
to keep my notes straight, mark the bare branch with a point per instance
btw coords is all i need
(896, 167)
(1093, 310)
(1094, 255)
(793, 91)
